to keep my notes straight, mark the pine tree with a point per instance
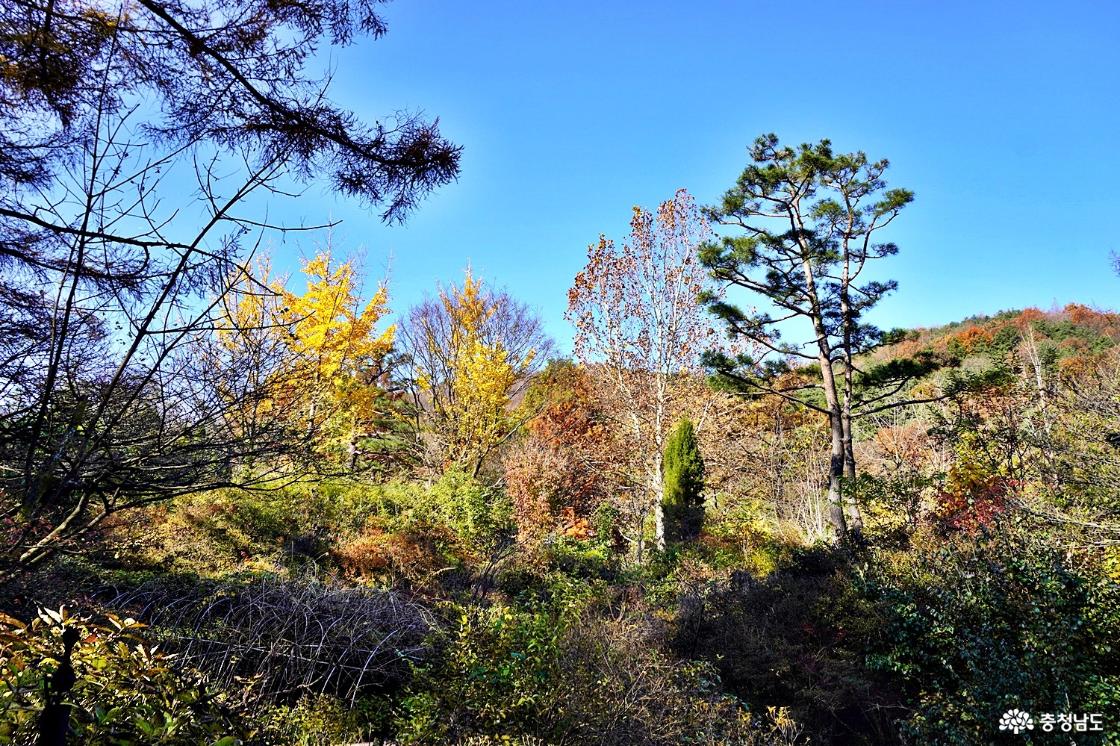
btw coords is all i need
(809, 221)
(682, 470)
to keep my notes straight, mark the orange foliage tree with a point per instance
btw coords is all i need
(565, 464)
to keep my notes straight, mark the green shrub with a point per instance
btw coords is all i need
(125, 691)
(606, 521)
(746, 535)
(499, 673)
(976, 627)
(481, 515)
(589, 560)
(891, 504)
(302, 527)
(226, 532)
(793, 639)
(561, 671)
(322, 721)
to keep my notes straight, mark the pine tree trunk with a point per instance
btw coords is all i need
(837, 454)
(855, 520)
(828, 381)
(835, 476)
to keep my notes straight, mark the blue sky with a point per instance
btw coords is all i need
(1002, 117)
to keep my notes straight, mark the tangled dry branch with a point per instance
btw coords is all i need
(279, 639)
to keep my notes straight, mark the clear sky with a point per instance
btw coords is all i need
(1003, 117)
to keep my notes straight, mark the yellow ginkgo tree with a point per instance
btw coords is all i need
(250, 358)
(472, 350)
(336, 351)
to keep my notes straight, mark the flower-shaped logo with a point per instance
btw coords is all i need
(1016, 721)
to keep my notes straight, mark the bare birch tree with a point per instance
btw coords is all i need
(639, 321)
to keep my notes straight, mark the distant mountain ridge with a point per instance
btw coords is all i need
(1063, 337)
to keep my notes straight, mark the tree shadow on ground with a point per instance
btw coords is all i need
(796, 638)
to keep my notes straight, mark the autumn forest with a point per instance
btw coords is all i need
(248, 497)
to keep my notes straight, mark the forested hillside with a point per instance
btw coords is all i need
(239, 505)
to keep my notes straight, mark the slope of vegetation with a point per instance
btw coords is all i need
(511, 603)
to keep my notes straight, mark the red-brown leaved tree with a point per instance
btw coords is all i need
(640, 327)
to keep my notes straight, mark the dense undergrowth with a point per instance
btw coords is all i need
(242, 506)
(924, 638)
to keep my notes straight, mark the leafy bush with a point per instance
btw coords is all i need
(480, 516)
(412, 556)
(125, 690)
(557, 670)
(498, 672)
(793, 639)
(746, 536)
(975, 627)
(975, 492)
(892, 505)
(304, 526)
(581, 559)
(322, 721)
(232, 531)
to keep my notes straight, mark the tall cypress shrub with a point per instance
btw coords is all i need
(682, 471)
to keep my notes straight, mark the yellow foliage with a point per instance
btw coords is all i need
(1112, 563)
(328, 332)
(334, 342)
(483, 380)
(249, 308)
(319, 352)
(483, 375)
